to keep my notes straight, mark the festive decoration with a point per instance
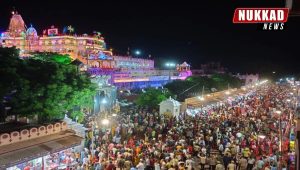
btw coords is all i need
(125, 71)
(65, 30)
(70, 29)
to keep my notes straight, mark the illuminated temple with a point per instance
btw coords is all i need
(125, 72)
(108, 71)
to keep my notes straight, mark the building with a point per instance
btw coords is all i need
(106, 96)
(36, 147)
(170, 106)
(124, 72)
(209, 69)
(212, 68)
(28, 40)
(249, 79)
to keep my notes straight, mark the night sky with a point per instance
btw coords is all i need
(172, 31)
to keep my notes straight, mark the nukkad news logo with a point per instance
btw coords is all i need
(271, 18)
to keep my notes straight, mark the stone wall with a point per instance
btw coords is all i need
(32, 133)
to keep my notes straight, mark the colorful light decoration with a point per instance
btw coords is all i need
(170, 64)
(84, 45)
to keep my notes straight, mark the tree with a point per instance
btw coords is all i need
(152, 97)
(48, 87)
(221, 81)
(193, 85)
(178, 88)
(10, 80)
(52, 57)
(77, 115)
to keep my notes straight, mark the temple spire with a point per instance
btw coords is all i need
(16, 25)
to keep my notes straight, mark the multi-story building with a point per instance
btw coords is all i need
(212, 68)
(28, 40)
(121, 71)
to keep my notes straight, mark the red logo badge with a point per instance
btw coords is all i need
(260, 15)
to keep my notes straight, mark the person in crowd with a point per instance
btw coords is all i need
(140, 165)
(241, 134)
(220, 166)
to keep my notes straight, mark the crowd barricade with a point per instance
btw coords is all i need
(32, 133)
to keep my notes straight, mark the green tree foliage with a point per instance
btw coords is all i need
(79, 115)
(9, 63)
(9, 78)
(221, 81)
(194, 85)
(52, 57)
(47, 88)
(152, 97)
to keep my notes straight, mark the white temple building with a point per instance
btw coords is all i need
(170, 106)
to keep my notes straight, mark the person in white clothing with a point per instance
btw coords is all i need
(156, 166)
(140, 165)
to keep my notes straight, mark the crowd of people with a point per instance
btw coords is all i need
(248, 133)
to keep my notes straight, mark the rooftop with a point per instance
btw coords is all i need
(20, 152)
(171, 101)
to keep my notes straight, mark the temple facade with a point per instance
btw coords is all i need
(28, 40)
(125, 72)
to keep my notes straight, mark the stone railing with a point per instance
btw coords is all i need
(36, 132)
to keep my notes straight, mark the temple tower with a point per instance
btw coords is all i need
(17, 26)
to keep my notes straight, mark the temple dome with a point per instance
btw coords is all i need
(184, 64)
(31, 32)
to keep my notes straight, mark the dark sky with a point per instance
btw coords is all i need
(196, 32)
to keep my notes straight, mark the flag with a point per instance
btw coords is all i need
(70, 29)
(65, 30)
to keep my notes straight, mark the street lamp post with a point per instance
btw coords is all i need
(137, 52)
(280, 137)
(228, 90)
(104, 102)
(170, 66)
(93, 136)
(202, 94)
(260, 137)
